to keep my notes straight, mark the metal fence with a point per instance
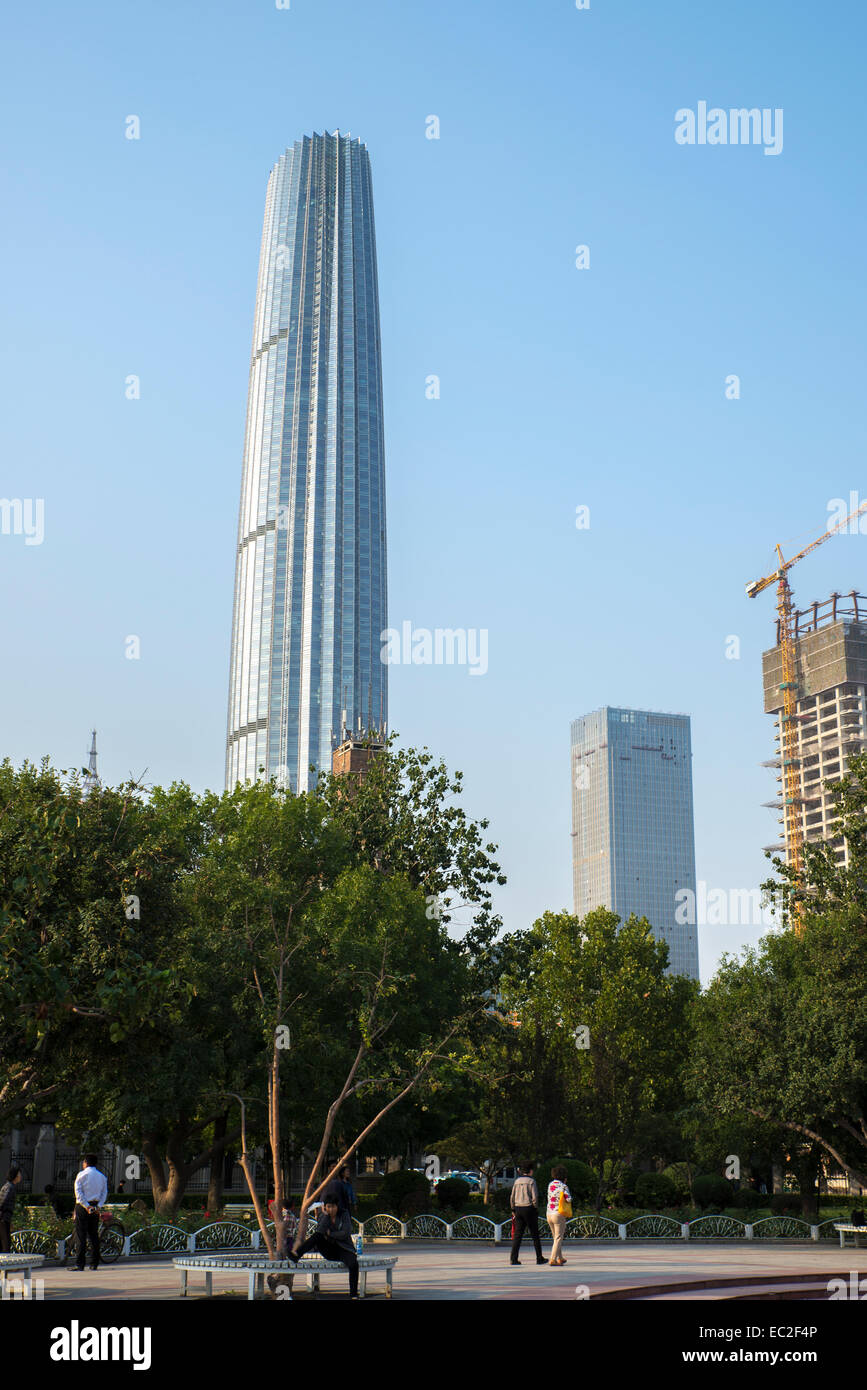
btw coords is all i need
(23, 1159)
(67, 1164)
(240, 1235)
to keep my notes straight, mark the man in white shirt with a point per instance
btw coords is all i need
(91, 1190)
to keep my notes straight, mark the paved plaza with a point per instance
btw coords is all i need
(434, 1270)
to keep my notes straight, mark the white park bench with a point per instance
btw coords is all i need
(858, 1233)
(22, 1266)
(257, 1267)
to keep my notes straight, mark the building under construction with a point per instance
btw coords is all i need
(829, 645)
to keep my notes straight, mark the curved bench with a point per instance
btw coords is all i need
(845, 1228)
(256, 1268)
(19, 1264)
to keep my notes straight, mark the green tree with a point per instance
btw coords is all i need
(156, 1086)
(598, 993)
(359, 994)
(782, 1037)
(405, 817)
(280, 948)
(73, 872)
(482, 1145)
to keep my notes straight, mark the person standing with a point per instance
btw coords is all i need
(340, 1190)
(559, 1196)
(91, 1190)
(333, 1241)
(8, 1193)
(348, 1189)
(524, 1202)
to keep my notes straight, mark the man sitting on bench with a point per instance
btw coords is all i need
(333, 1241)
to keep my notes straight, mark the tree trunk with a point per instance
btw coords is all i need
(215, 1181)
(808, 1171)
(156, 1170)
(169, 1176)
(276, 1146)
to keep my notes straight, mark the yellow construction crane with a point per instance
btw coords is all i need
(789, 687)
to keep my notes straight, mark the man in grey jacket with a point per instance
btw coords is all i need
(524, 1202)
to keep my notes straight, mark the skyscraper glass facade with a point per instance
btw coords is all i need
(310, 578)
(633, 841)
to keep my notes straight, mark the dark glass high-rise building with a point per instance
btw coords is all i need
(633, 840)
(310, 577)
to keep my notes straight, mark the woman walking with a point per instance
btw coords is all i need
(559, 1211)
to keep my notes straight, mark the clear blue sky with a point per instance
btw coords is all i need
(560, 387)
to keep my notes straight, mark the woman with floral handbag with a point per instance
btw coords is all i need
(559, 1211)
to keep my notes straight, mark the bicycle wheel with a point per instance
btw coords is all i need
(111, 1243)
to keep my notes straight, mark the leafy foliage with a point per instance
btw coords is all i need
(655, 1191)
(594, 998)
(452, 1193)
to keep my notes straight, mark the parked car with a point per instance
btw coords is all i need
(473, 1179)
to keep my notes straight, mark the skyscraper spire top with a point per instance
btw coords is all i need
(91, 779)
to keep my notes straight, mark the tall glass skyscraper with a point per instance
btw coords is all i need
(310, 577)
(633, 839)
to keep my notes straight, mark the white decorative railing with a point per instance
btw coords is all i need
(592, 1228)
(152, 1240)
(652, 1228)
(232, 1235)
(474, 1228)
(786, 1227)
(221, 1235)
(33, 1242)
(717, 1228)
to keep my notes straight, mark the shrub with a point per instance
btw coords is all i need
(581, 1180)
(453, 1192)
(626, 1185)
(679, 1174)
(655, 1191)
(749, 1200)
(712, 1191)
(402, 1191)
(786, 1204)
(614, 1171)
(682, 1214)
